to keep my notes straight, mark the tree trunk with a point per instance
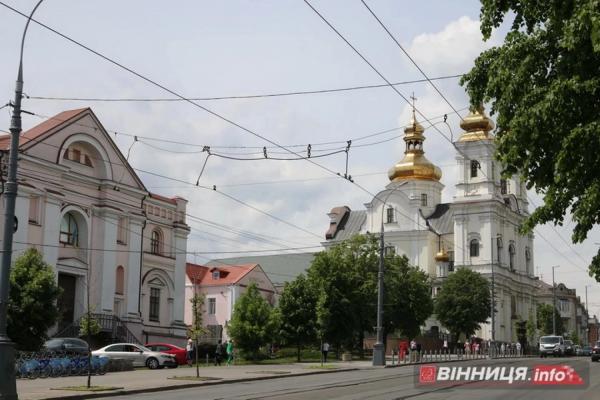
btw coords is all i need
(361, 344)
(298, 350)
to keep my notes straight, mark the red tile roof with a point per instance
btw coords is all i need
(229, 274)
(42, 128)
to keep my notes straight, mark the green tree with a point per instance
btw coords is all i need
(197, 329)
(574, 336)
(297, 314)
(464, 302)
(544, 85)
(544, 320)
(345, 279)
(32, 308)
(531, 328)
(408, 301)
(251, 326)
(89, 326)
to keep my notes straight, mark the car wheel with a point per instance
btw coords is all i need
(152, 363)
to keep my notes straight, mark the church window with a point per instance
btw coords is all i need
(120, 280)
(424, 199)
(503, 186)
(156, 242)
(34, 209)
(390, 215)
(154, 314)
(511, 256)
(474, 248)
(474, 168)
(69, 231)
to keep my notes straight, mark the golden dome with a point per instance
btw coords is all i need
(414, 165)
(477, 126)
(442, 256)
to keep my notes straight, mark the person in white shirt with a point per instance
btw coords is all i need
(325, 350)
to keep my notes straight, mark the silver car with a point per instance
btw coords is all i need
(552, 345)
(139, 355)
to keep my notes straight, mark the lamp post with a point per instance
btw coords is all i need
(554, 302)
(379, 347)
(8, 387)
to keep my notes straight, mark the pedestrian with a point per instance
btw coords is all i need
(218, 353)
(189, 351)
(467, 347)
(502, 349)
(518, 345)
(229, 351)
(418, 351)
(445, 346)
(325, 351)
(476, 347)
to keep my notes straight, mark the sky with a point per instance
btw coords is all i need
(208, 49)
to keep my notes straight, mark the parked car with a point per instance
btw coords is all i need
(72, 345)
(569, 348)
(585, 351)
(177, 351)
(596, 352)
(140, 355)
(552, 345)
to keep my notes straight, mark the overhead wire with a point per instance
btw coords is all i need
(236, 97)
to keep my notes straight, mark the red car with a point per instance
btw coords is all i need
(177, 351)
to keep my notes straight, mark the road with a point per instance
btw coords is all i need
(375, 384)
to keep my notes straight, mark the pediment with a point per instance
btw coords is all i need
(77, 141)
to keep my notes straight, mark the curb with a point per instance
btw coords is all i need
(189, 385)
(451, 361)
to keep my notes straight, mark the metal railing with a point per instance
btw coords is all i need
(108, 323)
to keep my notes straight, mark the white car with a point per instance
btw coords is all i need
(140, 355)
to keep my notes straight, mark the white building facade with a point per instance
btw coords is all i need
(84, 208)
(477, 230)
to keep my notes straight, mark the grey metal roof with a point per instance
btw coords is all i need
(353, 225)
(441, 220)
(280, 268)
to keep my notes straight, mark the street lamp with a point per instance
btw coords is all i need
(8, 386)
(554, 302)
(378, 347)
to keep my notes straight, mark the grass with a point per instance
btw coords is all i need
(84, 388)
(194, 378)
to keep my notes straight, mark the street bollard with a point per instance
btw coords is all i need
(393, 351)
(207, 359)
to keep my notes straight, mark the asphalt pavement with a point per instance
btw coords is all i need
(379, 383)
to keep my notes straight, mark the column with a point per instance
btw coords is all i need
(51, 226)
(133, 268)
(179, 278)
(107, 260)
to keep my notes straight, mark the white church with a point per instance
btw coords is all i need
(477, 230)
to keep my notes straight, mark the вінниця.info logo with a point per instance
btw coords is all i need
(571, 375)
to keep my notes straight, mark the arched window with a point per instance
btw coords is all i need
(474, 168)
(474, 248)
(390, 215)
(156, 242)
(511, 255)
(69, 231)
(120, 280)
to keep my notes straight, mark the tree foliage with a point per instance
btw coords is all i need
(297, 313)
(464, 302)
(32, 308)
(251, 325)
(544, 320)
(544, 85)
(345, 280)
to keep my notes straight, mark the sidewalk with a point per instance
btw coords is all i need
(156, 380)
